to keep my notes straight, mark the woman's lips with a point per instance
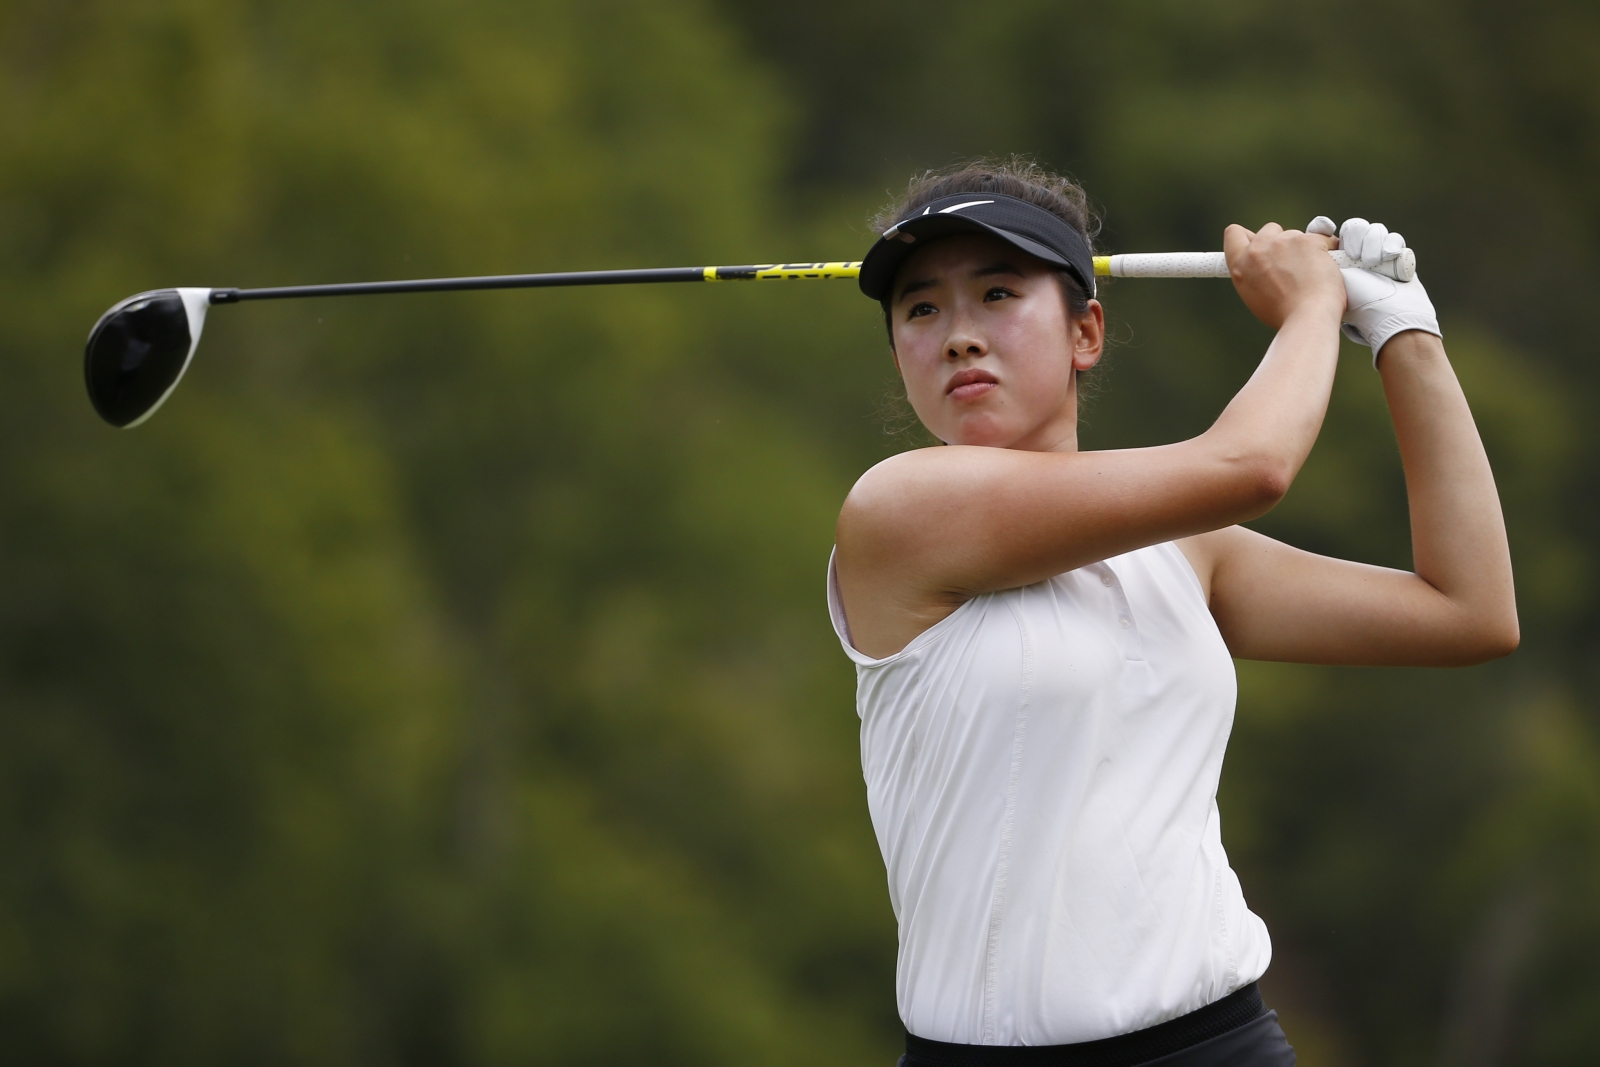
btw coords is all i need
(970, 384)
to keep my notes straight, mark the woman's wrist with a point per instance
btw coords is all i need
(1409, 346)
(1318, 311)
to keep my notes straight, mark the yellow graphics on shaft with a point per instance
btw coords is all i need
(763, 272)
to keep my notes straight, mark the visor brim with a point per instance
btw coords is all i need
(883, 261)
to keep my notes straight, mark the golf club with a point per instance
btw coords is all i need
(140, 348)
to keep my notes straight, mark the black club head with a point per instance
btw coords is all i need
(139, 350)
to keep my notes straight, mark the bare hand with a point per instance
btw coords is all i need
(1278, 271)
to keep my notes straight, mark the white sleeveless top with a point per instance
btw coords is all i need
(1042, 770)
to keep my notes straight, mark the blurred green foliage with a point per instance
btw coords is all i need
(445, 680)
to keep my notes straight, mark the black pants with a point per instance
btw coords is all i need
(1236, 1031)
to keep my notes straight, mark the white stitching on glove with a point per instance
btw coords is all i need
(1376, 307)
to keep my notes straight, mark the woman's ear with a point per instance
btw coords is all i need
(1088, 336)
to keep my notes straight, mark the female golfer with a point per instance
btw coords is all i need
(1042, 636)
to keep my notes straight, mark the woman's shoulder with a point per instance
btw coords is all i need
(892, 487)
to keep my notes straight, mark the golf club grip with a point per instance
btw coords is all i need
(1215, 265)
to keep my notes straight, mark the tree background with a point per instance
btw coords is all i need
(446, 680)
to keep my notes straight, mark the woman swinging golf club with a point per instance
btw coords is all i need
(1042, 636)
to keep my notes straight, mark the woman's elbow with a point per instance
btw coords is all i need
(1492, 640)
(1263, 482)
(1506, 639)
(1244, 480)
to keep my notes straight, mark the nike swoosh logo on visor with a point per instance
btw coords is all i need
(969, 203)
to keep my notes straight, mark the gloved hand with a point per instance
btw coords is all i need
(1376, 307)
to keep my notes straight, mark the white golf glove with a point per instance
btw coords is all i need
(1377, 307)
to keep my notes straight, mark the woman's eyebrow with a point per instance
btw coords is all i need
(996, 268)
(982, 272)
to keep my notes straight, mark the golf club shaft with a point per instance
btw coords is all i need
(754, 272)
(1128, 265)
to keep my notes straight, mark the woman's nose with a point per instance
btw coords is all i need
(962, 344)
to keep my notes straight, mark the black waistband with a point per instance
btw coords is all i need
(1124, 1050)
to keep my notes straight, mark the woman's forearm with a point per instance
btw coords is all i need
(1458, 537)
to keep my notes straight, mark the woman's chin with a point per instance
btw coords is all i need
(986, 433)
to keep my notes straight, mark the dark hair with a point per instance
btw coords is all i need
(1017, 177)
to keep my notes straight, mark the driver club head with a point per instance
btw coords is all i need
(139, 350)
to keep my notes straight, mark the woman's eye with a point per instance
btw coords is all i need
(919, 310)
(997, 293)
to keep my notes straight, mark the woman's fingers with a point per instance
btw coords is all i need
(1351, 234)
(1235, 240)
(1277, 270)
(1325, 228)
(1372, 245)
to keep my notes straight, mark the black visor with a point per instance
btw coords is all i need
(1016, 222)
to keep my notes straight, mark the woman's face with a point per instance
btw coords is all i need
(986, 346)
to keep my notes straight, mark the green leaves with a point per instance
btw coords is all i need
(437, 678)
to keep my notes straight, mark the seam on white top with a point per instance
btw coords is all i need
(1219, 906)
(997, 907)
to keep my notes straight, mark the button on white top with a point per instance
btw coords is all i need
(1105, 578)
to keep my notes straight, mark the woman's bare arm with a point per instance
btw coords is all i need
(926, 530)
(1459, 607)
